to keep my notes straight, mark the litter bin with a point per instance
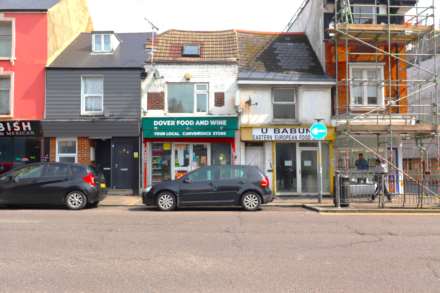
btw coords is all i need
(344, 186)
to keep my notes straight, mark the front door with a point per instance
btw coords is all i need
(308, 171)
(255, 156)
(189, 157)
(286, 168)
(122, 175)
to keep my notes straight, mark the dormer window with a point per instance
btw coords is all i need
(102, 43)
(191, 50)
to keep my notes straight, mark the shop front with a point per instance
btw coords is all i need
(20, 143)
(290, 157)
(177, 145)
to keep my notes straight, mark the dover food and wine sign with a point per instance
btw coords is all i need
(20, 128)
(174, 127)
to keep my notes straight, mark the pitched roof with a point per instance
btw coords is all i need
(215, 46)
(27, 5)
(287, 53)
(129, 54)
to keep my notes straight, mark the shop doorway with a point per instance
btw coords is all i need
(309, 171)
(187, 157)
(296, 169)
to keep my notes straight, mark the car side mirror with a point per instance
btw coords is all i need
(187, 180)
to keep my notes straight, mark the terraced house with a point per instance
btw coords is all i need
(367, 46)
(93, 104)
(32, 34)
(189, 113)
(283, 90)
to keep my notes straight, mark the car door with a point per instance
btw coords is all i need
(54, 184)
(229, 183)
(196, 188)
(24, 185)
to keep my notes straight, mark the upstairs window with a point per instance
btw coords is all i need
(92, 98)
(366, 85)
(102, 43)
(284, 103)
(191, 50)
(187, 97)
(5, 95)
(5, 39)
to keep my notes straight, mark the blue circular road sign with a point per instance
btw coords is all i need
(318, 131)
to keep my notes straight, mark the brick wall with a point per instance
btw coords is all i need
(53, 149)
(83, 150)
(156, 101)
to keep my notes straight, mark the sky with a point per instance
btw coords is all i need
(257, 15)
(128, 15)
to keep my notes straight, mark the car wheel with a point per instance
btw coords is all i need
(166, 201)
(76, 200)
(251, 201)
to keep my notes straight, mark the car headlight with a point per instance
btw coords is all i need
(148, 189)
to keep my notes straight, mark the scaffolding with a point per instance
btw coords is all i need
(383, 112)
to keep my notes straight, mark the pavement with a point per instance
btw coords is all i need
(326, 206)
(133, 200)
(136, 249)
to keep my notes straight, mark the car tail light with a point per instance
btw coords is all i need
(90, 179)
(264, 183)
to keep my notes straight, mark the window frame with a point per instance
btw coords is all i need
(102, 42)
(66, 139)
(13, 41)
(83, 96)
(11, 93)
(295, 103)
(195, 93)
(364, 84)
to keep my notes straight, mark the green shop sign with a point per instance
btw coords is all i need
(178, 127)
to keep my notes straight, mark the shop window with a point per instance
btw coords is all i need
(102, 43)
(284, 103)
(366, 85)
(5, 94)
(67, 150)
(221, 154)
(6, 39)
(16, 151)
(187, 97)
(92, 98)
(161, 162)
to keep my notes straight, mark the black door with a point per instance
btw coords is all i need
(103, 159)
(197, 187)
(24, 187)
(122, 172)
(229, 182)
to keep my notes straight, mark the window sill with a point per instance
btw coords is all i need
(366, 107)
(93, 114)
(285, 121)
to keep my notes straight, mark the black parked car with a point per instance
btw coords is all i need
(73, 185)
(244, 186)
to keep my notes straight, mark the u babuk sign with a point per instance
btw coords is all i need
(281, 133)
(179, 127)
(20, 128)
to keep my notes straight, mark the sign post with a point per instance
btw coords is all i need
(318, 131)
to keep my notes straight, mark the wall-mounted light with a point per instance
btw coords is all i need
(187, 76)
